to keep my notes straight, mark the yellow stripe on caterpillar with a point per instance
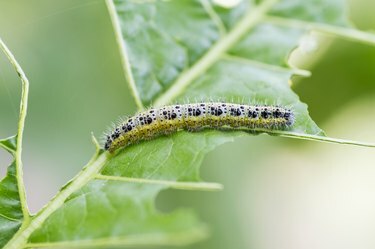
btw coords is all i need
(191, 117)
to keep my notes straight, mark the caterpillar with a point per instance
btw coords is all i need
(196, 116)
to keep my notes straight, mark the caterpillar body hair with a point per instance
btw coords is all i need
(196, 116)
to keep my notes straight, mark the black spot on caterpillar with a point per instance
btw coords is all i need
(192, 117)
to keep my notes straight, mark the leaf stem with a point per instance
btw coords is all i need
(124, 54)
(21, 124)
(352, 34)
(250, 19)
(310, 137)
(323, 139)
(87, 173)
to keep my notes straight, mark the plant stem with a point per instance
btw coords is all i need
(21, 124)
(87, 173)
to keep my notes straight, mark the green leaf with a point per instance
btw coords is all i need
(186, 49)
(11, 215)
(120, 209)
(116, 213)
(173, 51)
(9, 144)
(334, 11)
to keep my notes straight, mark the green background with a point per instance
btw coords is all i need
(279, 193)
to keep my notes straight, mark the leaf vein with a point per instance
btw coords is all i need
(214, 16)
(173, 184)
(349, 33)
(271, 67)
(250, 19)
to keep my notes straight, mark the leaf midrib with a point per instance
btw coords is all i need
(251, 18)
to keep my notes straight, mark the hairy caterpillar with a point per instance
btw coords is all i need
(168, 119)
